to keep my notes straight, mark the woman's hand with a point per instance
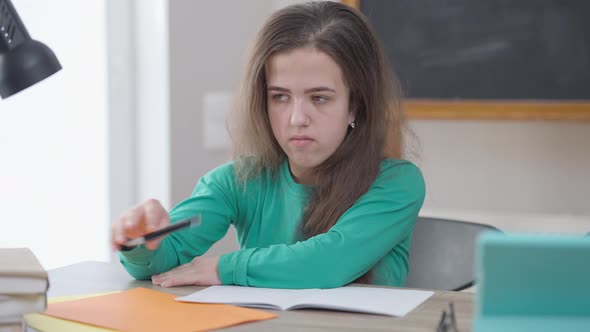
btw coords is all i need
(138, 221)
(201, 271)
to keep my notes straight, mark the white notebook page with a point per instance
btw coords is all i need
(383, 301)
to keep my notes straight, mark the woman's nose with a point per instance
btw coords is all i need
(299, 116)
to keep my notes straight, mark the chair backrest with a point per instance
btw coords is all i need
(442, 254)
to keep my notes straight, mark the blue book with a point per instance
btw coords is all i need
(532, 282)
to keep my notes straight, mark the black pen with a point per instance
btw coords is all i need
(193, 221)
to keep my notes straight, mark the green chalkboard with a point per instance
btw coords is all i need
(487, 49)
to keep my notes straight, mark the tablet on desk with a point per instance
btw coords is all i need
(532, 283)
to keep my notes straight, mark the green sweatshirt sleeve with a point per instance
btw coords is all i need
(214, 201)
(365, 233)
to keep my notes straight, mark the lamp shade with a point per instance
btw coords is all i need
(23, 60)
(27, 64)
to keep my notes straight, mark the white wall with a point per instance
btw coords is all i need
(53, 168)
(507, 167)
(152, 100)
(517, 176)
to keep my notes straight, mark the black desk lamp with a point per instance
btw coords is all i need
(23, 61)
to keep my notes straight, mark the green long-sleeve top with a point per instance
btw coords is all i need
(374, 234)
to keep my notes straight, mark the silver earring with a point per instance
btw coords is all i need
(352, 124)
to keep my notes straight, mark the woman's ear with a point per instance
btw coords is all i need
(352, 108)
(351, 113)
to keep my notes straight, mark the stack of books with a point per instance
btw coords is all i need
(23, 287)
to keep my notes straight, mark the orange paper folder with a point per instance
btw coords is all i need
(146, 310)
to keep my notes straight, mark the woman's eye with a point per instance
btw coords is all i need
(320, 99)
(280, 97)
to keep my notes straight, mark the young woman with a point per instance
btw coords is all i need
(317, 191)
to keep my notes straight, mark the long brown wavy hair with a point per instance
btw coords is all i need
(346, 36)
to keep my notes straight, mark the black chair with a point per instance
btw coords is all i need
(442, 254)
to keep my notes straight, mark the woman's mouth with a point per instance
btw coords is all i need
(301, 140)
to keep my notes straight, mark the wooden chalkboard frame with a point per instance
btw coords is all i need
(475, 109)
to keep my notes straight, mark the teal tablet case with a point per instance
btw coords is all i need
(532, 282)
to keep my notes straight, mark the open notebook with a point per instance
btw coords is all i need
(382, 301)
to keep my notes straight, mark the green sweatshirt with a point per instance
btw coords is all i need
(374, 233)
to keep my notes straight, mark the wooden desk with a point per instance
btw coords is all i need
(96, 277)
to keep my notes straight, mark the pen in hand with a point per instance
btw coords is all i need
(193, 221)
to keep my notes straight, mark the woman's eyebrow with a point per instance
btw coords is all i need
(277, 88)
(316, 89)
(320, 89)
